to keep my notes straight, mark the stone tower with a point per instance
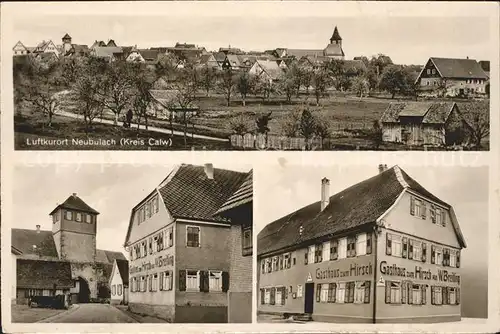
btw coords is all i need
(336, 39)
(66, 43)
(74, 230)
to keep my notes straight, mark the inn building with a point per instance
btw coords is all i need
(180, 245)
(384, 250)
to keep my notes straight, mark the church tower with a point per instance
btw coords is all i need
(74, 230)
(336, 39)
(66, 40)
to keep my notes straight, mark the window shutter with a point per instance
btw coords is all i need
(404, 291)
(388, 248)
(273, 293)
(368, 243)
(334, 297)
(458, 259)
(446, 257)
(351, 295)
(320, 252)
(433, 296)
(424, 210)
(305, 256)
(161, 281)
(412, 206)
(404, 253)
(433, 214)
(424, 252)
(201, 281)
(334, 250)
(225, 281)
(410, 292)
(410, 249)
(444, 292)
(182, 280)
(281, 261)
(367, 292)
(353, 247)
(262, 296)
(283, 295)
(457, 297)
(262, 266)
(424, 294)
(443, 217)
(318, 292)
(387, 292)
(330, 292)
(433, 255)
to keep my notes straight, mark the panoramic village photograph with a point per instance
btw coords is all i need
(372, 244)
(251, 83)
(177, 249)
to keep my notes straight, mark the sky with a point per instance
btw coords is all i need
(112, 189)
(407, 40)
(286, 188)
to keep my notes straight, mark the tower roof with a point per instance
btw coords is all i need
(336, 35)
(66, 36)
(74, 202)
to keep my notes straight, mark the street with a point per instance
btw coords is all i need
(91, 313)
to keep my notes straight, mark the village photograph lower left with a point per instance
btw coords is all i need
(122, 243)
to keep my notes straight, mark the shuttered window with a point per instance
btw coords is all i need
(341, 292)
(361, 244)
(332, 287)
(311, 254)
(326, 251)
(192, 280)
(393, 292)
(215, 280)
(334, 250)
(324, 293)
(342, 248)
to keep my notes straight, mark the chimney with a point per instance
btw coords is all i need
(325, 193)
(382, 168)
(209, 171)
(74, 194)
(38, 229)
(467, 57)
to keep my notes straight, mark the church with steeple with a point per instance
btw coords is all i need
(63, 260)
(334, 49)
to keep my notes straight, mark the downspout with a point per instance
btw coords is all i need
(374, 246)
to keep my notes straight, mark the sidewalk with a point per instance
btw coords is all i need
(54, 317)
(139, 318)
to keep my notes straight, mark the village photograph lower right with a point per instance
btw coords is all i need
(372, 244)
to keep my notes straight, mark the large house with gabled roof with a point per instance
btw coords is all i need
(180, 246)
(64, 260)
(384, 250)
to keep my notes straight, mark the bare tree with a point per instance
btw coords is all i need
(287, 83)
(227, 83)
(477, 118)
(208, 78)
(361, 86)
(307, 125)
(143, 83)
(323, 126)
(320, 81)
(244, 85)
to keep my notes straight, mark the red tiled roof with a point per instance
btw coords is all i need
(354, 207)
(35, 274)
(74, 202)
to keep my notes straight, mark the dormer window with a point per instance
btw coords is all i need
(69, 215)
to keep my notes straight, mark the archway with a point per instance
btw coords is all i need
(83, 291)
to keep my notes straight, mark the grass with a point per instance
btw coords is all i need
(30, 128)
(25, 314)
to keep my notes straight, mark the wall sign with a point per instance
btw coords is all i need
(309, 278)
(161, 261)
(441, 275)
(354, 270)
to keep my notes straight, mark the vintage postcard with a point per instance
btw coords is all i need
(140, 139)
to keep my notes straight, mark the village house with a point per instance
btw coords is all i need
(47, 46)
(70, 49)
(109, 53)
(64, 260)
(266, 70)
(384, 250)
(424, 123)
(208, 60)
(452, 77)
(239, 210)
(180, 247)
(19, 49)
(118, 282)
(231, 62)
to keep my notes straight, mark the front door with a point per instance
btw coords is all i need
(309, 298)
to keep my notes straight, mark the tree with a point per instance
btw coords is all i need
(37, 86)
(320, 81)
(412, 85)
(239, 124)
(393, 80)
(322, 128)
(227, 83)
(291, 124)
(208, 78)
(361, 86)
(244, 85)
(477, 118)
(307, 126)
(262, 124)
(379, 63)
(143, 83)
(376, 134)
(287, 84)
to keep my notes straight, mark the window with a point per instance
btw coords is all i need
(192, 280)
(361, 244)
(299, 291)
(246, 240)
(428, 71)
(438, 255)
(267, 296)
(159, 241)
(166, 281)
(69, 215)
(279, 296)
(119, 289)
(437, 295)
(342, 248)
(415, 250)
(88, 219)
(311, 252)
(433, 71)
(147, 210)
(150, 243)
(359, 292)
(215, 280)
(264, 266)
(396, 245)
(340, 297)
(452, 258)
(452, 296)
(287, 260)
(154, 281)
(394, 292)
(113, 289)
(78, 217)
(143, 283)
(416, 294)
(193, 236)
(418, 207)
(325, 251)
(324, 293)
(144, 249)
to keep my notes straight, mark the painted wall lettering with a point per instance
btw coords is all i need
(161, 261)
(354, 270)
(442, 275)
